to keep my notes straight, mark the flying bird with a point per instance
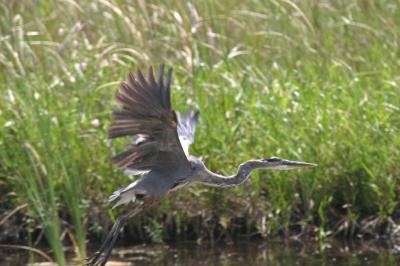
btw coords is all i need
(159, 152)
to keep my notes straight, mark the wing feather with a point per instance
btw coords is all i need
(146, 114)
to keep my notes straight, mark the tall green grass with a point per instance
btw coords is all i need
(304, 80)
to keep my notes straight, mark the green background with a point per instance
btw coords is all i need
(316, 81)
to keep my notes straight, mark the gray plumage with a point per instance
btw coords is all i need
(160, 150)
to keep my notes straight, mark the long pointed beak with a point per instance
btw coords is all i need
(296, 165)
(283, 164)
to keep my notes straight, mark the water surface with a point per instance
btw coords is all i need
(244, 253)
(263, 253)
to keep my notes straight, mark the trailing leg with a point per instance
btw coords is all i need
(100, 257)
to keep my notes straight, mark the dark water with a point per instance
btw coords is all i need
(263, 253)
(246, 253)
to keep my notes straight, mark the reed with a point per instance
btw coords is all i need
(305, 80)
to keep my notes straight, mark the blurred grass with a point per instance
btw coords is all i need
(306, 80)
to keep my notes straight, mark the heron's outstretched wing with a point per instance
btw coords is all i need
(186, 127)
(146, 114)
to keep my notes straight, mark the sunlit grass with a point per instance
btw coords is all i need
(312, 81)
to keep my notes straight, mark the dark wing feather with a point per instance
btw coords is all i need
(146, 113)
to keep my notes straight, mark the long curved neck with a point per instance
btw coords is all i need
(242, 175)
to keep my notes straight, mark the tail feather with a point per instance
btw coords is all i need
(120, 197)
(125, 195)
(115, 195)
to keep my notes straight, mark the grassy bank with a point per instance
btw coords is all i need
(304, 80)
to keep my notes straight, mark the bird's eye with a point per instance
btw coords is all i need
(192, 165)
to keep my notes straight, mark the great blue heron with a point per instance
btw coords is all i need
(159, 152)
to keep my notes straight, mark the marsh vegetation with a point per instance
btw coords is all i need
(305, 80)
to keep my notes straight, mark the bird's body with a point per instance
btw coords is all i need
(160, 151)
(155, 183)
